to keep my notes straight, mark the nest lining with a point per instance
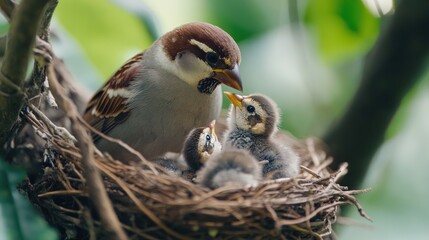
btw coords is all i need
(154, 205)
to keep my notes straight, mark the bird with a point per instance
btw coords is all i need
(200, 144)
(231, 166)
(252, 123)
(155, 99)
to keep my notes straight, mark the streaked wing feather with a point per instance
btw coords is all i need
(108, 107)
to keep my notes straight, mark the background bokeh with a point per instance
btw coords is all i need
(305, 54)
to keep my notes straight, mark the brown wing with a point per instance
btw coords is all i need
(108, 107)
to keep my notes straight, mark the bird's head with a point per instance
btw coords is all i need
(255, 113)
(203, 56)
(200, 144)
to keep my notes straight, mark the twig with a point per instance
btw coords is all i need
(274, 217)
(317, 236)
(356, 192)
(312, 150)
(311, 215)
(95, 185)
(358, 206)
(306, 169)
(340, 172)
(60, 131)
(324, 164)
(62, 193)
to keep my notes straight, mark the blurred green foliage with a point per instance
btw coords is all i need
(343, 28)
(108, 34)
(245, 19)
(18, 219)
(4, 25)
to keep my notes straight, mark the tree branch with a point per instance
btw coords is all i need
(392, 67)
(20, 41)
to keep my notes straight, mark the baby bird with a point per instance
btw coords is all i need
(232, 166)
(252, 123)
(199, 145)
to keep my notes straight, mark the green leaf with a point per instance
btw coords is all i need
(342, 28)
(18, 220)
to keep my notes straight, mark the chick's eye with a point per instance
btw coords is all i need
(208, 138)
(212, 57)
(250, 109)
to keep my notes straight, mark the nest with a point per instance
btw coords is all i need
(154, 205)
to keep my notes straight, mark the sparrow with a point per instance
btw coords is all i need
(231, 166)
(158, 96)
(252, 123)
(199, 145)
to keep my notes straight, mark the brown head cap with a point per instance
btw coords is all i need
(201, 38)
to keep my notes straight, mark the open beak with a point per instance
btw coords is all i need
(235, 99)
(229, 77)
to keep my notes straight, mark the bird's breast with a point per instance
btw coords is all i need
(168, 118)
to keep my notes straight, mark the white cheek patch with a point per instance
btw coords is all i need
(191, 69)
(188, 68)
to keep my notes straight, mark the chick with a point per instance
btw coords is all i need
(199, 145)
(252, 123)
(232, 166)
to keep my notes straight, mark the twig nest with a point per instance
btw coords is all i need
(152, 204)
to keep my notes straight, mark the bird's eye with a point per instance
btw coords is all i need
(212, 57)
(208, 138)
(250, 109)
